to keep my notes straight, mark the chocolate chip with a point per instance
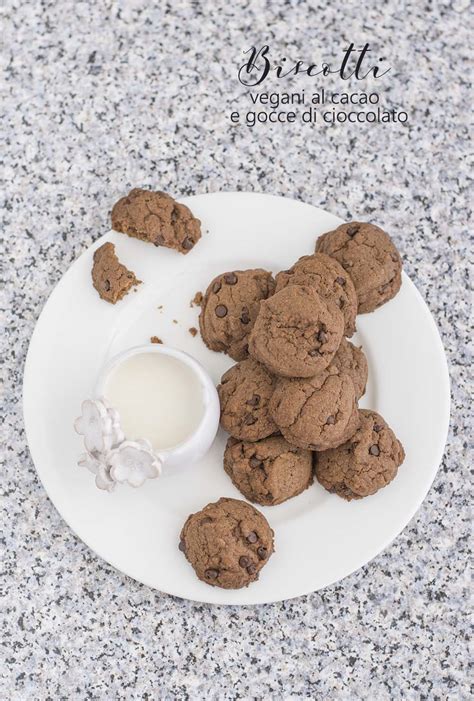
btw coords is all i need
(254, 401)
(211, 574)
(374, 450)
(252, 537)
(378, 428)
(244, 561)
(330, 420)
(221, 311)
(187, 243)
(250, 420)
(313, 352)
(245, 316)
(255, 462)
(107, 285)
(341, 280)
(251, 569)
(352, 230)
(230, 278)
(159, 241)
(322, 337)
(182, 546)
(216, 287)
(262, 552)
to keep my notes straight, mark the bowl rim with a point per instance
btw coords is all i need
(208, 389)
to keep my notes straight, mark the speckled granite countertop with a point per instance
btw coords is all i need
(102, 96)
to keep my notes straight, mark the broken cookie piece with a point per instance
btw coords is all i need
(156, 217)
(111, 279)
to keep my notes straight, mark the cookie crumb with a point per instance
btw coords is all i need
(175, 321)
(155, 339)
(197, 300)
(193, 331)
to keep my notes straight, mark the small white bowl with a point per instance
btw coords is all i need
(198, 443)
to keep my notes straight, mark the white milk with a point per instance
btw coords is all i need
(158, 397)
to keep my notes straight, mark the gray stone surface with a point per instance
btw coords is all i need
(100, 96)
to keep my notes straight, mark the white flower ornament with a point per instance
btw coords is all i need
(96, 425)
(117, 434)
(98, 468)
(109, 456)
(134, 462)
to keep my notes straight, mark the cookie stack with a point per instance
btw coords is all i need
(290, 404)
(291, 401)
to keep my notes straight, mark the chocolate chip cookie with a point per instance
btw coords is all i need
(369, 256)
(244, 394)
(365, 463)
(269, 471)
(156, 217)
(230, 307)
(352, 360)
(314, 412)
(111, 279)
(330, 281)
(227, 543)
(297, 332)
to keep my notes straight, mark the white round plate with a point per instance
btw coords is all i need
(319, 538)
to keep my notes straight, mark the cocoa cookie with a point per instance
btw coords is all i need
(230, 307)
(297, 332)
(244, 394)
(156, 217)
(368, 254)
(314, 412)
(365, 463)
(352, 360)
(227, 543)
(269, 471)
(330, 281)
(111, 279)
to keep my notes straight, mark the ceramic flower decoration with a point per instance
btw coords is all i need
(134, 462)
(109, 456)
(117, 434)
(96, 425)
(98, 468)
